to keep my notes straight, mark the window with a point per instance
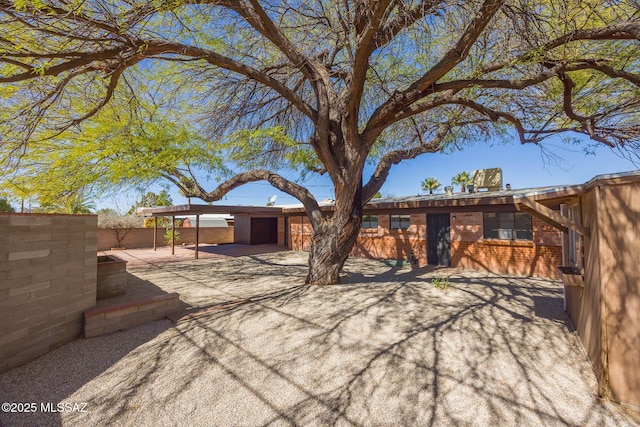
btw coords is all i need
(574, 238)
(400, 222)
(370, 221)
(507, 226)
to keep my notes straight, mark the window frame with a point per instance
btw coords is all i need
(401, 217)
(509, 226)
(368, 222)
(574, 237)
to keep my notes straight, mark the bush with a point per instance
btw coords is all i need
(121, 225)
(167, 236)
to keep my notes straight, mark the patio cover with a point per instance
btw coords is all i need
(198, 210)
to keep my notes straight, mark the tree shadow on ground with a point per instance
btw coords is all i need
(386, 348)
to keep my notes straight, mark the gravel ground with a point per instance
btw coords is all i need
(384, 348)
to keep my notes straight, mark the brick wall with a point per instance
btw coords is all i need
(48, 267)
(469, 249)
(143, 237)
(538, 257)
(301, 233)
(384, 243)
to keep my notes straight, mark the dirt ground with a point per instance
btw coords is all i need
(386, 347)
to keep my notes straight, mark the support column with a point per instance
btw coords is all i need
(173, 235)
(197, 234)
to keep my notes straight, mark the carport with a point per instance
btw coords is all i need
(252, 224)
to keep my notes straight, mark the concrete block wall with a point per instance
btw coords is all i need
(112, 277)
(106, 319)
(143, 237)
(48, 267)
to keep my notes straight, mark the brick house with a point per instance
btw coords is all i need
(592, 230)
(481, 231)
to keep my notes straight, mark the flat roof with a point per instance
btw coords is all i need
(548, 195)
(191, 209)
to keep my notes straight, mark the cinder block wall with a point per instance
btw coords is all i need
(143, 237)
(48, 267)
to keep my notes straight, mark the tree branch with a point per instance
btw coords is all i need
(191, 188)
(394, 157)
(454, 56)
(404, 20)
(157, 47)
(622, 31)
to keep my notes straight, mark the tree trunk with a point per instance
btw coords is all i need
(333, 240)
(330, 248)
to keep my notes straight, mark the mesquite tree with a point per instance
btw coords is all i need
(323, 84)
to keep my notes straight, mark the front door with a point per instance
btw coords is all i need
(438, 239)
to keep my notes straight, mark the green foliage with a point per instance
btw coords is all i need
(179, 110)
(462, 179)
(431, 184)
(5, 206)
(162, 222)
(440, 282)
(151, 199)
(168, 235)
(73, 203)
(128, 144)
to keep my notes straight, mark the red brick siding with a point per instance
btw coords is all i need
(539, 257)
(467, 227)
(300, 238)
(507, 257)
(383, 243)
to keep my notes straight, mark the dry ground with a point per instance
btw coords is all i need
(384, 348)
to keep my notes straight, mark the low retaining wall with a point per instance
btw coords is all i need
(112, 277)
(143, 237)
(47, 279)
(111, 318)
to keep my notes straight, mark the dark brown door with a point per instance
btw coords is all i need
(438, 239)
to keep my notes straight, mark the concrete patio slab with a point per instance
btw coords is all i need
(386, 347)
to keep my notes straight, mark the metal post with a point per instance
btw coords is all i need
(155, 233)
(173, 235)
(197, 234)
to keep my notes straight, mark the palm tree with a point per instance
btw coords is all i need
(78, 203)
(75, 203)
(431, 184)
(462, 179)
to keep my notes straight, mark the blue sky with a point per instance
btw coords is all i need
(523, 166)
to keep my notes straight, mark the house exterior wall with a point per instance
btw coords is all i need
(469, 249)
(282, 230)
(606, 313)
(619, 250)
(385, 243)
(300, 233)
(48, 269)
(143, 237)
(242, 229)
(537, 257)
(584, 304)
